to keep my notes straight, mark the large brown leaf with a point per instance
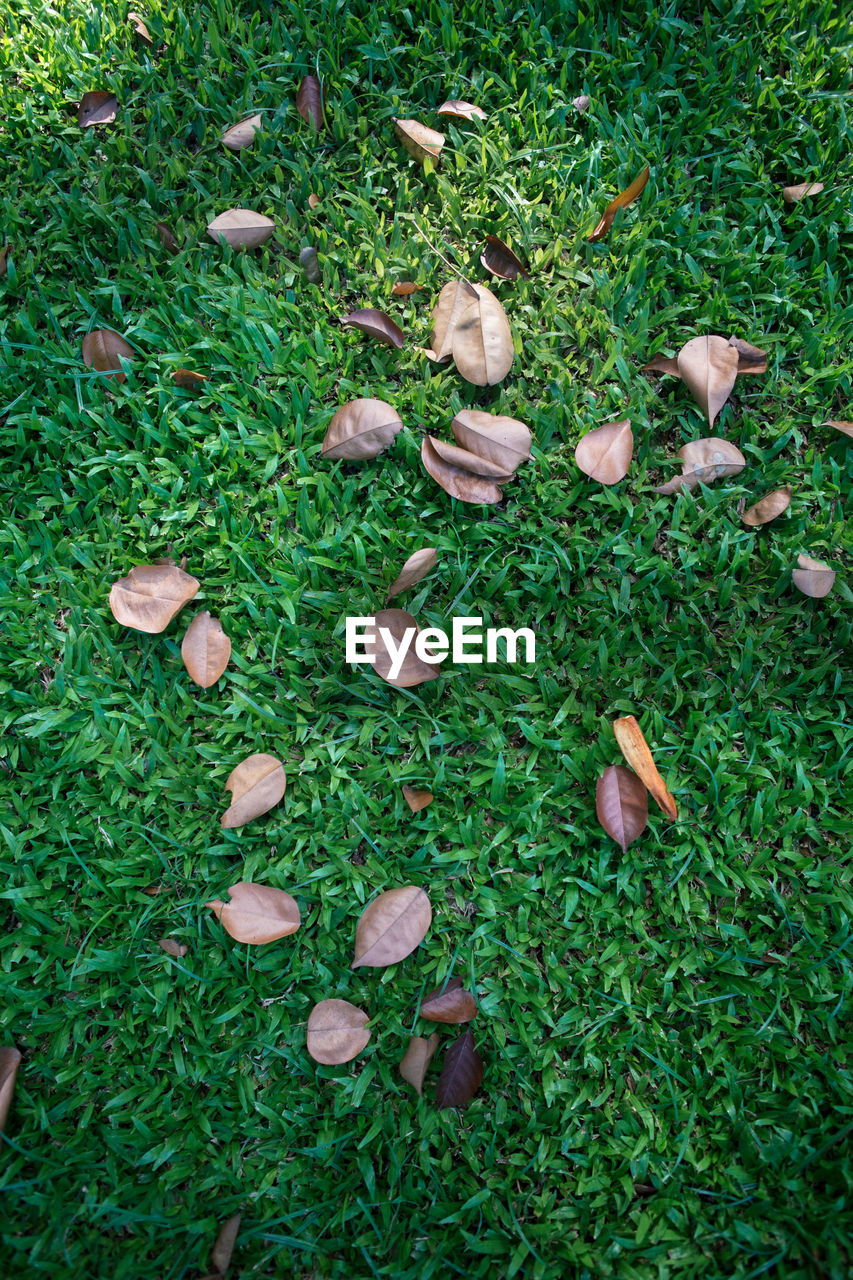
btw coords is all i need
(256, 913)
(413, 671)
(621, 804)
(482, 340)
(99, 106)
(709, 365)
(311, 103)
(469, 461)
(377, 324)
(256, 785)
(621, 202)
(241, 228)
(636, 751)
(462, 110)
(458, 481)
(605, 453)
(417, 799)
(418, 139)
(205, 649)
(226, 1238)
(9, 1059)
(502, 440)
(416, 567)
(240, 135)
(416, 1059)
(361, 429)
(462, 1073)
(791, 195)
(151, 596)
(768, 507)
(337, 1032)
(455, 296)
(846, 428)
(498, 258)
(391, 927)
(102, 349)
(449, 1004)
(703, 461)
(813, 577)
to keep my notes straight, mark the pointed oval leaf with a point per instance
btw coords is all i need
(709, 365)
(462, 110)
(503, 440)
(458, 482)
(483, 351)
(361, 429)
(313, 200)
(241, 228)
(172, 947)
(416, 1059)
(416, 567)
(636, 751)
(418, 139)
(768, 507)
(256, 785)
(455, 296)
(139, 28)
(205, 649)
(498, 258)
(417, 799)
(240, 135)
(226, 1238)
(403, 288)
(449, 1004)
(151, 596)
(703, 461)
(167, 238)
(846, 428)
(791, 195)
(750, 359)
(663, 364)
(465, 460)
(621, 804)
(189, 380)
(377, 324)
(102, 349)
(413, 670)
(621, 202)
(99, 106)
(256, 913)
(311, 103)
(10, 1058)
(813, 577)
(337, 1032)
(605, 453)
(461, 1075)
(391, 927)
(581, 103)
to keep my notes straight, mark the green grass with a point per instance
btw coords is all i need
(666, 1033)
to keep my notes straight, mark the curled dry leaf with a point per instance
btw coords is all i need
(621, 804)
(791, 195)
(391, 927)
(750, 359)
(309, 260)
(412, 670)
(361, 429)
(377, 324)
(605, 453)
(449, 1004)
(416, 1059)
(502, 440)
(103, 349)
(10, 1057)
(581, 103)
(416, 567)
(189, 380)
(457, 481)
(704, 461)
(97, 107)
(462, 1073)
(709, 365)
(311, 103)
(498, 258)
(241, 228)
(466, 460)
(238, 136)
(635, 749)
(462, 110)
(768, 507)
(621, 202)
(151, 596)
(205, 649)
(256, 913)
(139, 27)
(313, 201)
(403, 288)
(417, 799)
(337, 1032)
(167, 239)
(482, 340)
(455, 296)
(846, 428)
(419, 140)
(813, 577)
(256, 785)
(172, 947)
(662, 364)
(220, 1259)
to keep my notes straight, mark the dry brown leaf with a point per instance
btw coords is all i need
(377, 324)
(151, 596)
(172, 947)
(709, 365)
(624, 198)
(256, 785)
(139, 27)
(313, 201)
(189, 380)
(621, 804)
(309, 260)
(205, 649)
(581, 103)
(416, 567)
(750, 359)
(10, 1057)
(482, 340)
(704, 461)
(813, 577)
(662, 364)
(498, 258)
(413, 670)
(462, 110)
(311, 103)
(768, 507)
(461, 1075)
(800, 190)
(361, 429)
(419, 140)
(102, 349)
(256, 913)
(635, 749)
(846, 428)
(455, 296)
(417, 799)
(240, 135)
(167, 239)
(457, 481)
(391, 927)
(605, 453)
(241, 228)
(416, 1059)
(449, 1004)
(3, 253)
(403, 288)
(220, 1259)
(467, 460)
(503, 440)
(99, 106)
(337, 1032)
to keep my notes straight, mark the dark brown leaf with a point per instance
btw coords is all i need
(403, 288)
(361, 429)
(97, 107)
(417, 1058)
(9, 1060)
(311, 103)
(621, 804)
(102, 349)
(462, 1073)
(391, 927)
(167, 239)
(377, 324)
(621, 202)
(466, 460)
(313, 201)
(417, 799)
(449, 1004)
(750, 359)
(189, 380)
(498, 258)
(458, 482)
(337, 1032)
(3, 253)
(172, 947)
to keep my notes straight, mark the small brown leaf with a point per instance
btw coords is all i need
(800, 190)
(416, 799)
(313, 201)
(605, 453)
(621, 804)
(189, 380)
(581, 103)
(377, 324)
(361, 429)
(205, 649)
(813, 577)
(845, 427)
(391, 927)
(3, 253)
(750, 359)
(309, 260)
(768, 507)
(709, 365)
(416, 567)
(621, 202)
(102, 349)
(449, 1004)
(167, 239)
(483, 350)
(498, 258)
(151, 596)
(172, 947)
(635, 749)
(311, 103)
(240, 135)
(412, 669)
(455, 296)
(503, 440)
(256, 913)
(704, 461)
(461, 1075)
(337, 1032)
(9, 1059)
(466, 460)
(662, 364)
(456, 481)
(416, 1059)
(462, 110)
(99, 106)
(419, 140)
(403, 288)
(139, 28)
(226, 1238)
(241, 228)
(256, 785)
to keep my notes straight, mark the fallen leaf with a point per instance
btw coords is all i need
(462, 110)
(635, 749)
(99, 106)
(467, 460)
(416, 567)
(419, 140)
(503, 440)
(189, 380)
(768, 507)
(205, 649)
(417, 799)
(604, 454)
(621, 804)
(813, 577)
(167, 239)
(256, 785)
(102, 349)
(624, 198)
(581, 103)
(449, 1004)
(416, 1059)
(337, 1032)
(313, 201)
(3, 253)
(139, 27)
(311, 103)
(709, 365)
(361, 429)
(391, 927)
(750, 359)
(377, 324)
(456, 481)
(704, 461)
(498, 258)
(426, 351)
(309, 260)
(238, 136)
(151, 596)
(482, 340)
(801, 189)
(404, 287)
(845, 427)
(462, 1073)
(172, 947)
(220, 1259)
(455, 296)
(256, 913)
(9, 1059)
(413, 670)
(662, 364)
(241, 228)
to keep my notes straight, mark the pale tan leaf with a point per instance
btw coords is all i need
(416, 567)
(377, 324)
(709, 365)
(419, 140)
(621, 804)
(311, 103)
(498, 258)
(768, 507)
(256, 785)
(482, 340)
(226, 1238)
(451, 1004)
(361, 429)
(750, 359)
(313, 200)
(800, 190)
(813, 577)
(462, 110)
(418, 1055)
(205, 649)
(605, 453)
(503, 440)
(337, 1032)
(466, 460)
(455, 296)
(417, 799)
(621, 201)
(139, 27)
(846, 428)
(151, 596)
(256, 913)
(241, 228)
(103, 349)
(10, 1057)
(457, 481)
(581, 103)
(704, 461)
(240, 135)
(635, 749)
(172, 947)
(392, 926)
(99, 106)
(413, 670)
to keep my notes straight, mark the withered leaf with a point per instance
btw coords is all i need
(413, 671)
(220, 1259)
(604, 454)
(99, 106)
(750, 359)
(418, 139)
(361, 429)
(377, 324)
(662, 364)
(709, 365)
(313, 200)
(635, 749)
(240, 135)
(189, 380)
(482, 340)
(102, 349)
(139, 27)
(205, 649)
(449, 1004)
(791, 195)
(458, 481)
(417, 799)
(311, 103)
(621, 202)
(337, 1032)
(10, 1057)
(846, 428)
(704, 461)
(467, 460)
(309, 260)
(813, 577)
(167, 239)
(581, 103)
(172, 947)
(416, 1059)
(151, 596)
(455, 296)
(462, 110)
(3, 253)
(256, 913)
(416, 567)
(241, 228)
(256, 785)
(621, 804)
(403, 288)
(503, 440)
(768, 507)
(498, 258)
(462, 1073)
(391, 927)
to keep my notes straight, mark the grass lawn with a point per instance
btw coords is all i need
(665, 1032)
